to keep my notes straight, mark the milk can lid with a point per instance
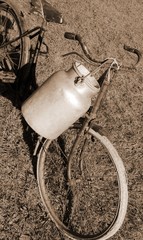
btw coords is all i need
(81, 70)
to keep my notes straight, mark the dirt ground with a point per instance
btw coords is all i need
(105, 26)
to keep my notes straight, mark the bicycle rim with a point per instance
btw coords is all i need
(93, 203)
(14, 55)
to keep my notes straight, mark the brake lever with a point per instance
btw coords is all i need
(134, 50)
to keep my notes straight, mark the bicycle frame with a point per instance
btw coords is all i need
(104, 81)
(87, 120)
(39, 31)
(47, 12)
(90, 116)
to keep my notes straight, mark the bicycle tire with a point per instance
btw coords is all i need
(12, 26)
(123, 190)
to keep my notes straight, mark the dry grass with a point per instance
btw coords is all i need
(106, 27)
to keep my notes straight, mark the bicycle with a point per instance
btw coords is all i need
(66, 150)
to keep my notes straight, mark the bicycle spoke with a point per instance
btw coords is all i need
(9, 30)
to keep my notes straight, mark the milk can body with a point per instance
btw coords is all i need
(58, 103)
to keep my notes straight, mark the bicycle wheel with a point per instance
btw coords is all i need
(14, 55)
(85, 195)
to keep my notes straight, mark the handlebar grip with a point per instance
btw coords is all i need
(71, 36)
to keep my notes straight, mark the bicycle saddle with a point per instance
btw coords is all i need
(46, 10)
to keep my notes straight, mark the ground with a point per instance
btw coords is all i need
(105, 26)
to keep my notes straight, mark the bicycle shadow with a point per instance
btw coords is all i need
(17, 93)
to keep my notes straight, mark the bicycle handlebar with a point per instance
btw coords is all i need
(71, 36)
(134, 50)
(77, 37)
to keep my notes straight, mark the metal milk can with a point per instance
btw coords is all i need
(60, 101)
